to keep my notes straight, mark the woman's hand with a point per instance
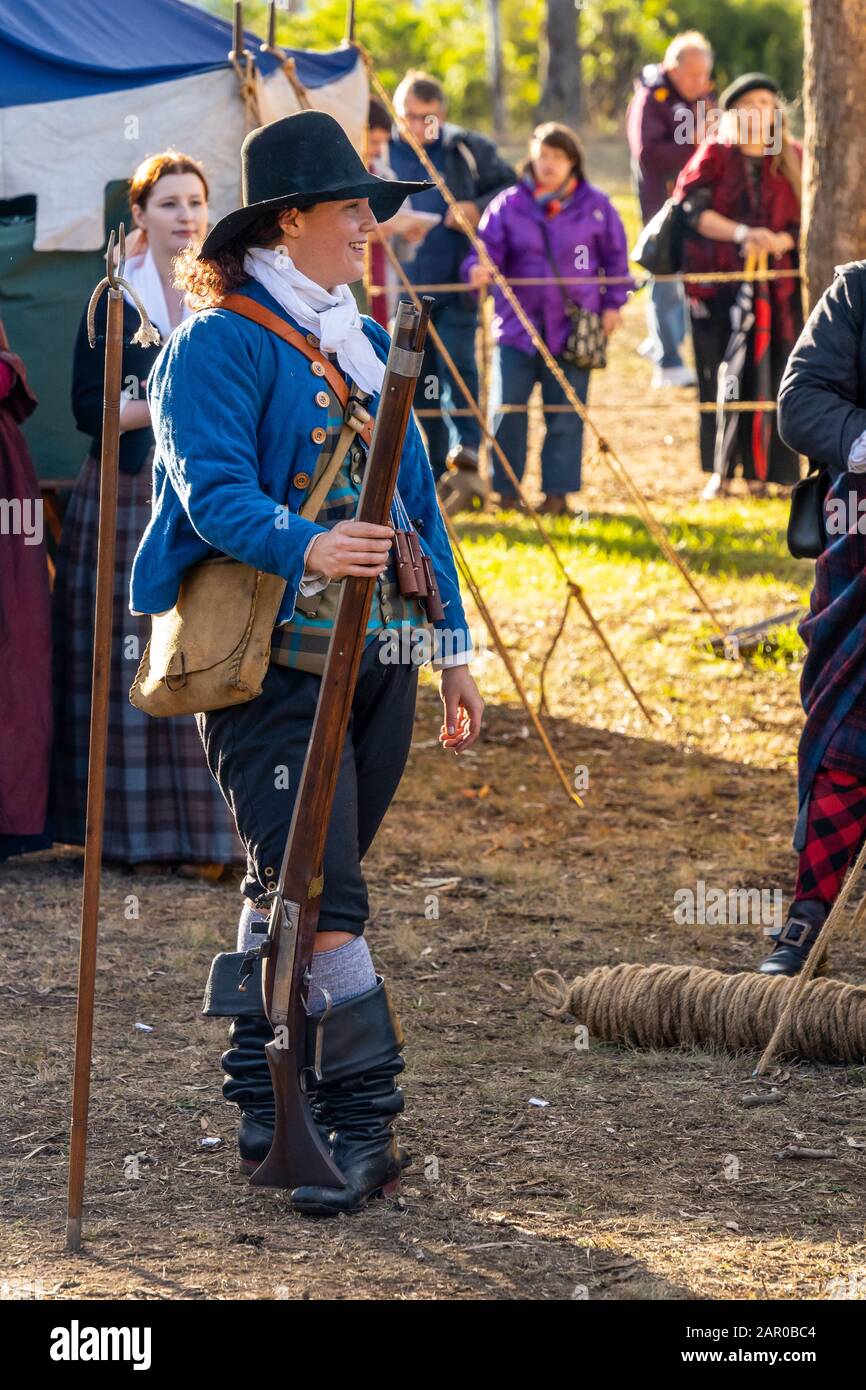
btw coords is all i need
(782, 243)
(479, 275)
(463, 709)
(351, 547)
(759, 239)
(610, 321)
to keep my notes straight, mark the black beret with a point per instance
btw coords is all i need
(749, 82)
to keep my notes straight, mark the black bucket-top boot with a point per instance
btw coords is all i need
(234, 990)
(248, 1085)
(357, 1100)
(796, 938)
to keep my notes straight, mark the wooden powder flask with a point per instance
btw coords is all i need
(403, 562)
(433, 601)
(298, 1155)
(417, 563)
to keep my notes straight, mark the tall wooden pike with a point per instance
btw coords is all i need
(298, 1157)
(114, 283)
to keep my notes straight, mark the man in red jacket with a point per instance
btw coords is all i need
(664, 125)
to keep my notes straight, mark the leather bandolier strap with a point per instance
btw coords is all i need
(251, 309)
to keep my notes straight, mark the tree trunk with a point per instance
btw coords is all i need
(561, 77)
(495, 66)
(834, 202)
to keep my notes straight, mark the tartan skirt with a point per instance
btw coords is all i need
(161, 802)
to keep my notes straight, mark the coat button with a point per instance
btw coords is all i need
(318, 435)
(317, 368)
(322, 398)
(301, 480)
(311, 338)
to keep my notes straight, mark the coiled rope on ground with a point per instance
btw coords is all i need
(690, 1006)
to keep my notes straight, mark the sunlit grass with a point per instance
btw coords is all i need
(747, 709)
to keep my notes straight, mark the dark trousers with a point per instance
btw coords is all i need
(256, 752)
(514, 375)
(436, 389)
(710, 337)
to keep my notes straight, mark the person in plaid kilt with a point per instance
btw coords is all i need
(822, 413)
(165, 809)
(245, 423)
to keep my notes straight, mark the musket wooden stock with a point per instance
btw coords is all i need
(298, 1157)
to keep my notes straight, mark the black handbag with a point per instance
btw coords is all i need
(659, 248)
(807, 531)
(586, 345)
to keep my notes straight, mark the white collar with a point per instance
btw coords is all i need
(332, 316)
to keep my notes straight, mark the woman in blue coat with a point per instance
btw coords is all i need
(242, 421)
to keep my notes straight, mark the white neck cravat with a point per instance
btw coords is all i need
(334, 318)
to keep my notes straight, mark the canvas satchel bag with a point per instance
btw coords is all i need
(213, 648)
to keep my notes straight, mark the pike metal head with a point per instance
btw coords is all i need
(146, 335)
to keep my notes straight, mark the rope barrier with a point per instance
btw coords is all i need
(607, 454)
(703, 407)
(709, 277)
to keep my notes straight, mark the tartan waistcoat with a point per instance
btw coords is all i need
(303, 642)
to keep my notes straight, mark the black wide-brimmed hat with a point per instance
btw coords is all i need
(300, 160)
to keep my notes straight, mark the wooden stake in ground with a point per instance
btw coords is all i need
(146, 334)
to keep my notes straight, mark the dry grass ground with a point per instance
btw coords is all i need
(644, 1176)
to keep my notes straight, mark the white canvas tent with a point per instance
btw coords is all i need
(87, 92)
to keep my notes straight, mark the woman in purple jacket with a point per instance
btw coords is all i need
(586, 237)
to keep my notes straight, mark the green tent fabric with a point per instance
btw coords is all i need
(42, 298)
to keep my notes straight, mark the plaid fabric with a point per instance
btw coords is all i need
(162, 803)
(303, 642)
(833, 684)
(837, 824)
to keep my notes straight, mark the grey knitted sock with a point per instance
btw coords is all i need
(247, 938)
(344, 972)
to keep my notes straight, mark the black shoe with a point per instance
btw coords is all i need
(795, 940)
(358, 1100)
(248, 1085)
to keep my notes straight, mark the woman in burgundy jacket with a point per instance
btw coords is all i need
(741, 193)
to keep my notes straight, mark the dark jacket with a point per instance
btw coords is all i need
(822, 398)
(88, 377)
(656, 115)
(473, 171)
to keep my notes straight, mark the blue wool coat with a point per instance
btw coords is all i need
(233, 409)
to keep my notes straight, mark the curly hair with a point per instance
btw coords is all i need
(205, 281)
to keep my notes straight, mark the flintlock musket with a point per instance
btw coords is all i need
(298, 1156)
